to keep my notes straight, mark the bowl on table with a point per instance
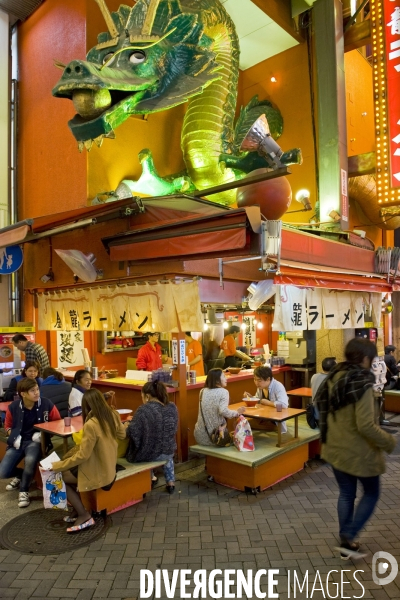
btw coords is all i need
(251, 402)
(234, 370)
(124, 413)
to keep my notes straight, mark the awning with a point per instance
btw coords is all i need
(312, 275)
(210, 236)
(158, 209)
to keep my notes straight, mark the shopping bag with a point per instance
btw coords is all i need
(54, 492)
(243, 437)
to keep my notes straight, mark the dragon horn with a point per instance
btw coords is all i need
(108, 18)
(151, 15)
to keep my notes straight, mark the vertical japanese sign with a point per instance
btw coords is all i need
(392, 54)
(69, 348)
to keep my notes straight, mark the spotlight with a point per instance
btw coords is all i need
(273, 79)
(334, 215)
(48, 277)
(259, 139)
(225, 324)
(303, 196)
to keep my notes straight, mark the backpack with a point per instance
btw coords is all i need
(310, 416)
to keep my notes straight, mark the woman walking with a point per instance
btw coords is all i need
(93, 465)
(213, 409)
(352, 441)
(152, 431)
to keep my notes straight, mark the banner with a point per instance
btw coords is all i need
(139, 307)
(317, 308)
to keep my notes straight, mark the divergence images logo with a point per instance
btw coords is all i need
(381, 568)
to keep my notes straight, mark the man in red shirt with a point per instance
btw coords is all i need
(149, 357)
(194, 353)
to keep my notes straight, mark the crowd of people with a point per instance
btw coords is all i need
(345, 398)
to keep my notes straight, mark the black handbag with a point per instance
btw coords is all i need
(220, 436)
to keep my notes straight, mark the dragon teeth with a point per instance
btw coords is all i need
(81, 146)
(99, 140)
(88, 145)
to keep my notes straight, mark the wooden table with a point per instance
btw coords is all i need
(269, 413)
(304, 392)
(58, 428)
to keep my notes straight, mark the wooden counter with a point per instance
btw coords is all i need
(128, 394)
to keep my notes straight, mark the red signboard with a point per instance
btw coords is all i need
(392, 49)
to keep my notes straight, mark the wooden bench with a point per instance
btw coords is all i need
(392, 400)
(129, 488)
(266, 466)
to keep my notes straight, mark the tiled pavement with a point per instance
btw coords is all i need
(292, 527)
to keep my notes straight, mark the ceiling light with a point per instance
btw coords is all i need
(273, 79)
(303, 196)
(260, 325)
(225, 324)
(205, 327)
(243, 326)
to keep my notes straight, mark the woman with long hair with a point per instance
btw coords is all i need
(352, 441)
(152, 430)
(31, 371)
(213, 408)
(93, 465)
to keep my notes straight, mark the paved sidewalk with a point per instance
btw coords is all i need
(205, 526)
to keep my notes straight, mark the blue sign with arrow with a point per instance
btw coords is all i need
(11, 259)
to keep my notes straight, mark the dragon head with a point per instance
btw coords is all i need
(153, 57)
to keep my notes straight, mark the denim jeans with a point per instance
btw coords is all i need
(168, 468)
(31, 452)
(352, 521)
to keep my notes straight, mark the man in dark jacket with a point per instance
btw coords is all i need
(23, 442)
(393, 369)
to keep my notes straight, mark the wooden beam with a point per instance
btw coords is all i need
(280, 12)
(357, 36)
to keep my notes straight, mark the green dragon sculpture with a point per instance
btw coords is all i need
(156, 55)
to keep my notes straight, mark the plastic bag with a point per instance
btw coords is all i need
(54, 491)
(243, 437)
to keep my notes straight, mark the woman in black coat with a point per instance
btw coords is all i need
(55, 388)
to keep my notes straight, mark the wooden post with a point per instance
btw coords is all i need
(179, 374)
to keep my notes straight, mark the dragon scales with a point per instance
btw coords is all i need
(156, 55)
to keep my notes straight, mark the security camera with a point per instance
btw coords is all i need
(48, 277)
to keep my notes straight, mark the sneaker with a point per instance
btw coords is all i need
(23, 500)
(350, 550)
(13, 485)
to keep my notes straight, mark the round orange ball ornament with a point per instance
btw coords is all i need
(273, 196)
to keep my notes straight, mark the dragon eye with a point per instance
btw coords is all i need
(137, 57)
(107, 58)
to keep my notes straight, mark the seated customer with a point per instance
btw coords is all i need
(269, 390)
(152, 430)
(93, 466)
(31, 370)
(56, 389)
(81, 383)
(393, 368)
(214, 407)
(23, 442)
(327, 365)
